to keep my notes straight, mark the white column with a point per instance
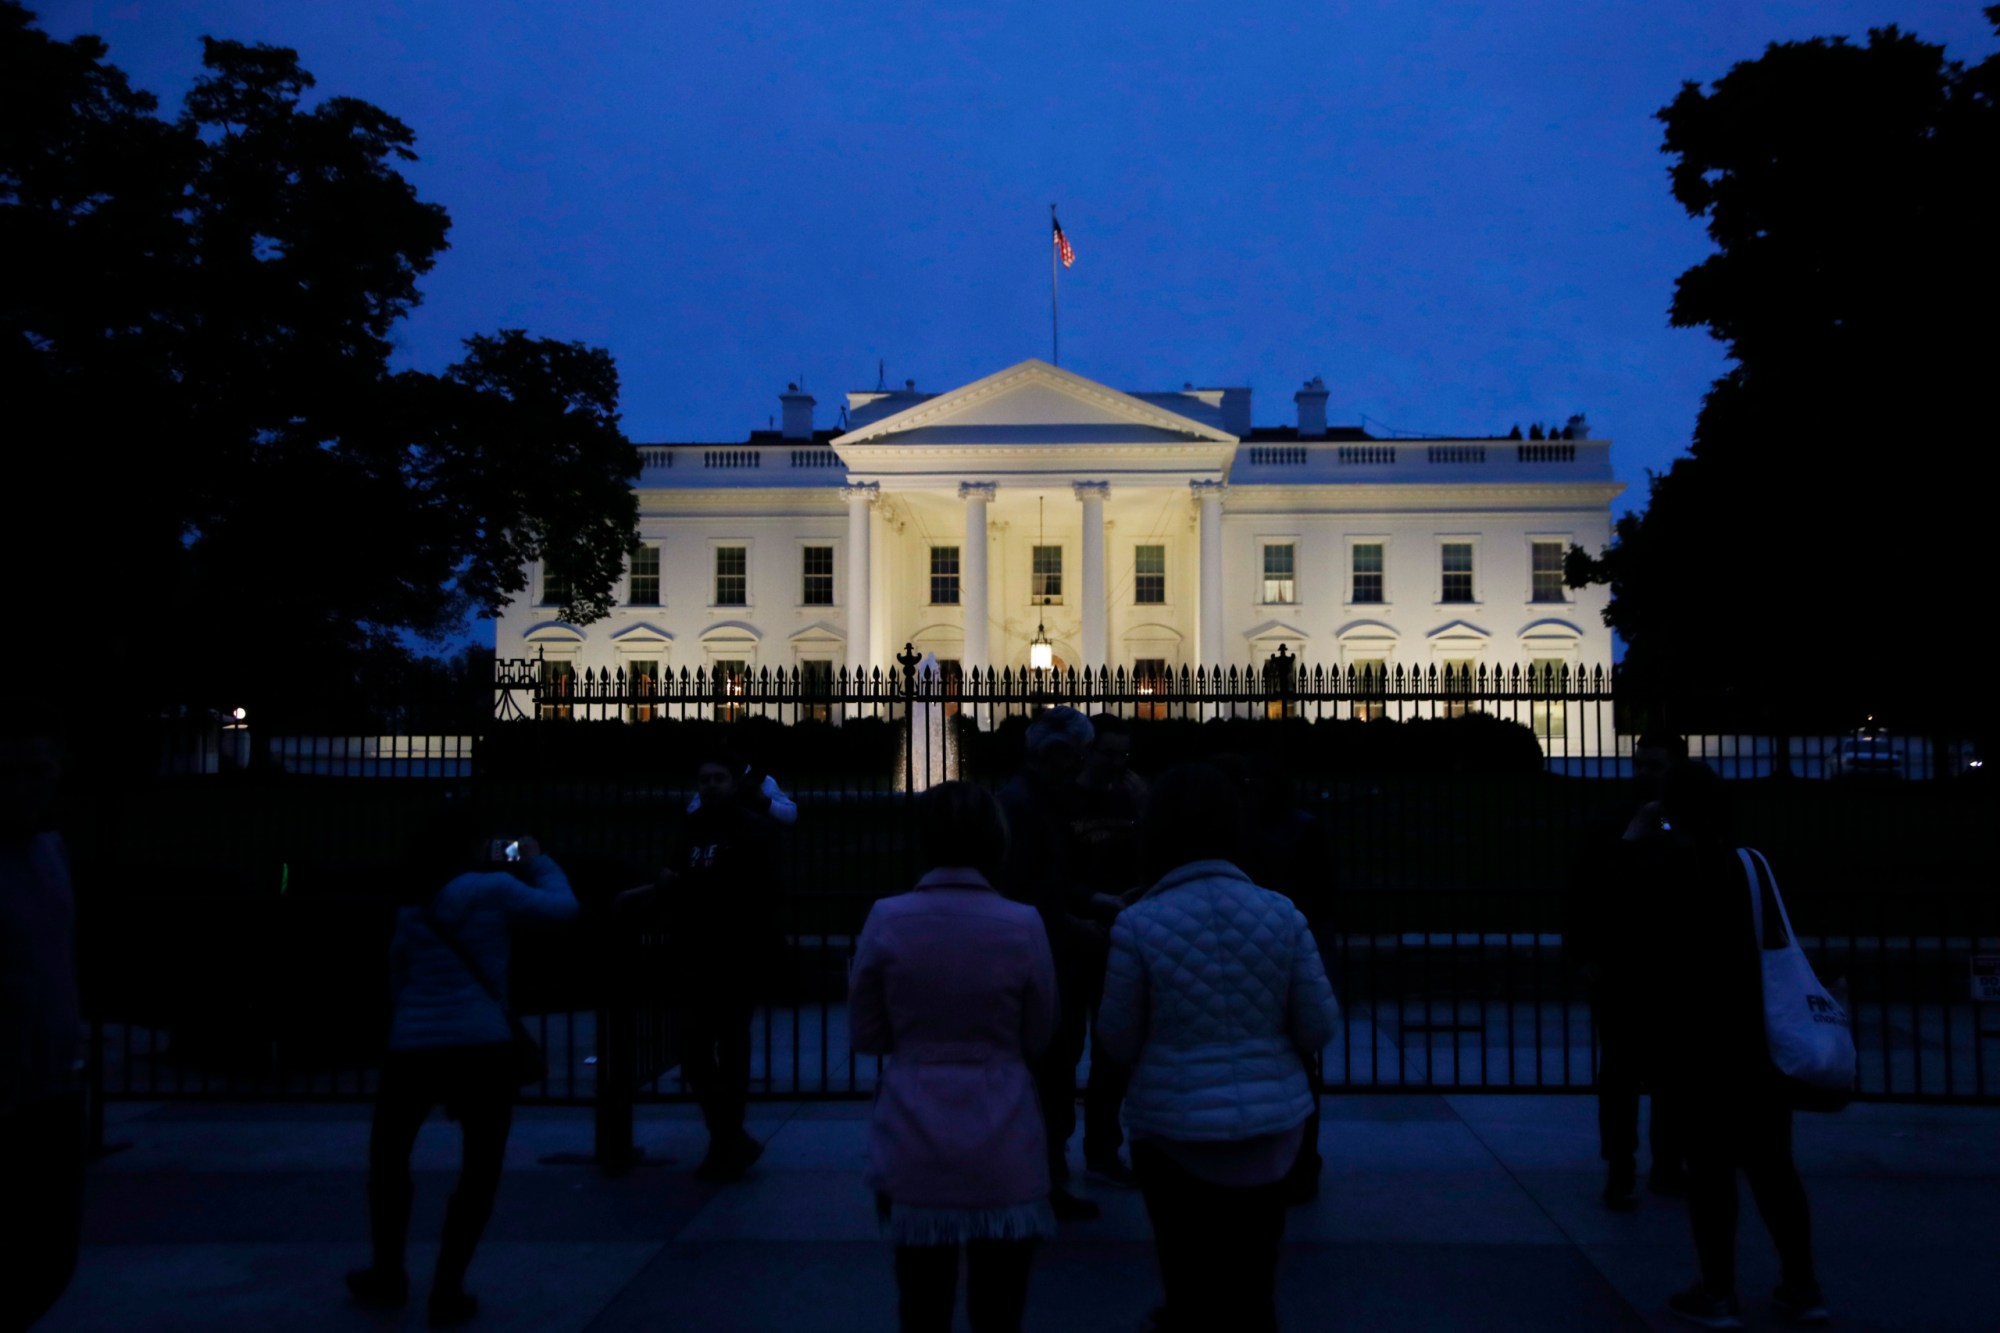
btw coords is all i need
(972, 576)
(860, 499)
(1093, 494)
(1209, 494)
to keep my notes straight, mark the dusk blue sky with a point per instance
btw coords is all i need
(1456, 213)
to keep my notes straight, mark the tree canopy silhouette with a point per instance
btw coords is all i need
(1819, 534)
(228, 476)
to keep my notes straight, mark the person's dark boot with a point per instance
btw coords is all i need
(384, 1285)
(464, 1222)
(1621, 1186)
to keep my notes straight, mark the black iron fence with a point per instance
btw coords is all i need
(236, 922)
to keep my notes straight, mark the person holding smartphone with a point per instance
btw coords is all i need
(451, 1044)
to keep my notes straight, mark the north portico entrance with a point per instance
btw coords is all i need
(1036, 499)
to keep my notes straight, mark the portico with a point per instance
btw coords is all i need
(996, 505)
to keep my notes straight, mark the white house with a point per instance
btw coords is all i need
(1147, 531)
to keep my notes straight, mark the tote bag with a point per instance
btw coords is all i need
(1811, 1044)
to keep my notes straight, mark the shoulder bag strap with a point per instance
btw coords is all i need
(453, 943)
(1758, 870)
(1777, 899)
(1756, 895)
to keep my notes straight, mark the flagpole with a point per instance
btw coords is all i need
(1055, 322)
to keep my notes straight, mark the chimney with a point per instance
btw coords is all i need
(798, 413)
(1312, 409)
(1236, 412)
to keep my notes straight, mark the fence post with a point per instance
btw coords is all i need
(908, 659)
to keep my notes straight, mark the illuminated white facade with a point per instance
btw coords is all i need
(1145, 531)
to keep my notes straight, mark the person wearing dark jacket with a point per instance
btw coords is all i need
(451, 1044)
(1104, 834)
(1711, 1056)
(720, 910)
(1615, 883)
(1041, 870)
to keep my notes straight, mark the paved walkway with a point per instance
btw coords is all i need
(1458, 1213)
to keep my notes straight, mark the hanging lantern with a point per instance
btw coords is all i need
(1041, 653)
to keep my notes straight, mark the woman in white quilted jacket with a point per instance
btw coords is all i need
(1216, 999)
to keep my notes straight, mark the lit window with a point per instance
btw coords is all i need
(1549, 714)
(732, 576)
(642, 681)
(558, 688)
(951, 683)
(1368, 572)
(726, 680)
(818, 562)
(1455, 683)
(1149, 683)
(944, 576)
(645, 576)
(1149, 575)
(1047, 582)
(815, 689)
(1370, 677)
(1546, 571)
(1457, 564)
(1280, 579)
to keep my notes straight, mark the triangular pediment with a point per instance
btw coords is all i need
(1276, 631)
(645, 634)
(1034, 403)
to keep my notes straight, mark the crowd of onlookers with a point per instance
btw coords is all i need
(1172, 927)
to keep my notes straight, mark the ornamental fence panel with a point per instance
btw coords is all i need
(236, 916)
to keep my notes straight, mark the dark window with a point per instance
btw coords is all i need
(1149, 575)
(555, 586)
(1457, 565)
(645, 576)
(818, 562)
(1368, 572)
(1545, 568)
(1047, 583)
(944, 575)
(732, 576)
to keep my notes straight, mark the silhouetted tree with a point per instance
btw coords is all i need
(1818, 537)
(194, 350)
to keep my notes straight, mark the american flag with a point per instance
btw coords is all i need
(1063, 249)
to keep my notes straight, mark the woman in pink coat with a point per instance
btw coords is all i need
(956, 986)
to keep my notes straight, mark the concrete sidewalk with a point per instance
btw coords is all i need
(1436, 1213)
